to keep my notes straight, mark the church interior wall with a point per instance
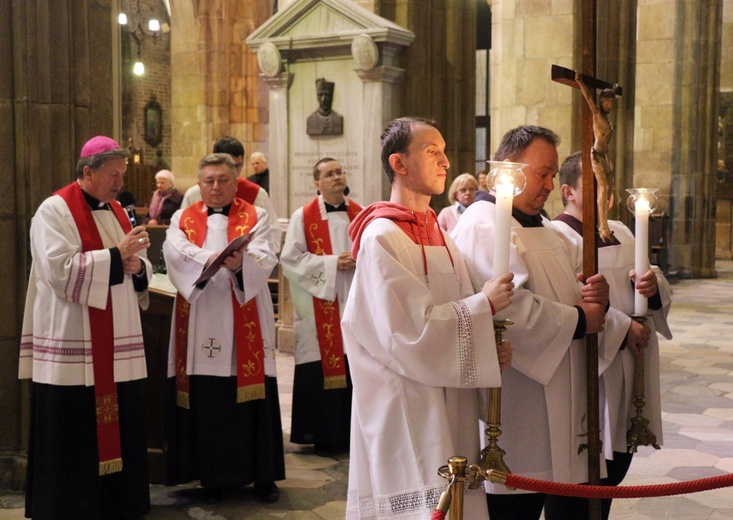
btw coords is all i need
(306, 150)
(724, 206)
(726, 50)
(654, 90)
(216, 88)
(139, 90)
(526, 41)
(55, 92)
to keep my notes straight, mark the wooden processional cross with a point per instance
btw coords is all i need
(590, 251)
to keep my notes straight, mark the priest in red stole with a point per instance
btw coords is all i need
(223, 426)
(82, 346)
(317, 261)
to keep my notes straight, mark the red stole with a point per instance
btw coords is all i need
(101, 322)
(247, 190)
(327, 314)
(247, 331)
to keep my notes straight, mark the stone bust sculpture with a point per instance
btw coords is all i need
(324, 121)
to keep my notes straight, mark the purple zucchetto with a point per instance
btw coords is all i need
(98, 144)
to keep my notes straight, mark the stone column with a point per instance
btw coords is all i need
(278, 136)
(694, 144)
(55, 93)
(380, 91)
(279, 184)
(616, 63)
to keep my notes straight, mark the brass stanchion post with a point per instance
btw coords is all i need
(457, 467)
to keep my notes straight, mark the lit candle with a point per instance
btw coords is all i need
(641, 255)
(504, 189)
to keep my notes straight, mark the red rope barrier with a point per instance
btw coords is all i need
(586, 491)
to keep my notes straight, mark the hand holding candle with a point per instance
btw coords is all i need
(642, 202)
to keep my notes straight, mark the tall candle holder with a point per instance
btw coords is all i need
(507, 180)
(642, 202)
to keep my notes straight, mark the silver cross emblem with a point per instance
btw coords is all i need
(317, 279)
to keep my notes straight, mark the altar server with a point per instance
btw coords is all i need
(543, 403)
(419, 340)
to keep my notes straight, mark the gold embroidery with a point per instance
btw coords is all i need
(107, 409)
(317, 242)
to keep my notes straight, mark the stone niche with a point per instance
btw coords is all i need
(356, 50)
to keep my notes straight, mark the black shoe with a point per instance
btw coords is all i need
(267, 491)
(323, 450)
(212, 495)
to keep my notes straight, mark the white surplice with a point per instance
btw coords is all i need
(211, 349)
(617, 366)
(543, 403)
(56, 347)
(418, 346)
(314, 276)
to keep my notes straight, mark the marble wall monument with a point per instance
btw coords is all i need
(332, 68)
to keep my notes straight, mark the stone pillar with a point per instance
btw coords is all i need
(278, 135)
(214, 81)
(440, 77)
(56, 91)
(380, 90)
(616, 63)
(654, 92)
(694, 144)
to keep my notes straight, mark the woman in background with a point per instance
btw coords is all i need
(461, 194)
(166, 199)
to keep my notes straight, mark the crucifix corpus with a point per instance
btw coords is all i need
(600, 158)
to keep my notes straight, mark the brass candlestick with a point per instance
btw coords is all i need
(639, 433)
(492, 456)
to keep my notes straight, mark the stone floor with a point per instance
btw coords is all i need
(697, 386)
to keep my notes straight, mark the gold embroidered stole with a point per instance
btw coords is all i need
(327, 314)
(101, 323)
(248, 341)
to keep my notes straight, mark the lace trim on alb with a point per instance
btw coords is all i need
(397, 504)
(467, 367)
(401, 504)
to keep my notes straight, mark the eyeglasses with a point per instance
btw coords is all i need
(221, 182)
(239, 166)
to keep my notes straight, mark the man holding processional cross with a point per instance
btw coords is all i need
(543, 393)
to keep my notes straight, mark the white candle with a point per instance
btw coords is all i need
(504, 188)
(641, 255)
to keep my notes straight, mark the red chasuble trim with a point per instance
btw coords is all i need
(327, 314)
(247, 330)
(101, 322)
(247, 190)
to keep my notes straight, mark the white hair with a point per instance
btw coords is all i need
(166, 174)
